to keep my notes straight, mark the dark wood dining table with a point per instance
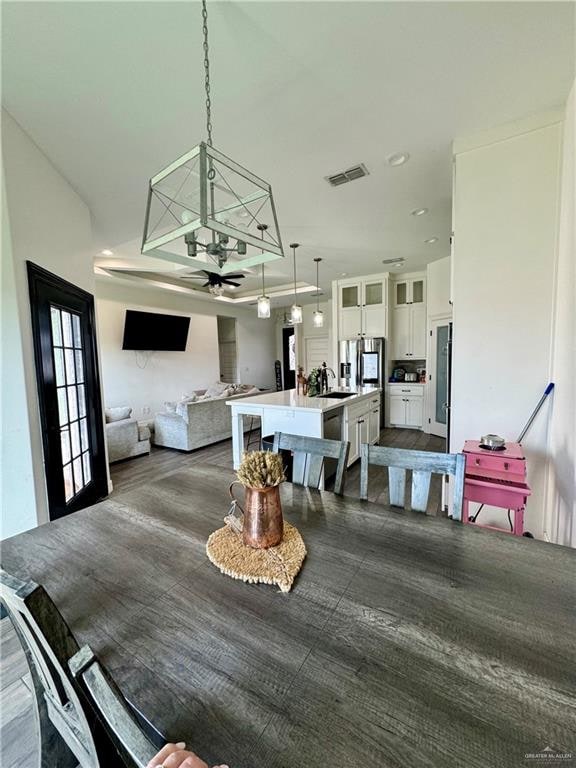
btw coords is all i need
(407, 641)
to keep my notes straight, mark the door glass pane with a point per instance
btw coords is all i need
(373, 293)
(418, 291)
(78, 479)
(292, 352)
(65, 444)
(86, 465)
(76, 331)
(56, 328)
(75, 438)
(68, 482)
(81, 401)
(350, 296)
(441, 372)
(71, 392)
(84, 434)
(59, 366)
(401, 293)
(62, 406)
(67, 328)
(72, 403)
(70, 371)
(79, 365)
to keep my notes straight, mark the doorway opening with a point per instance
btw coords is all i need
(67, 377)
(227, 349)
(289, 357)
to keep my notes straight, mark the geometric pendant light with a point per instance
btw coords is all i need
(296, 309)
(204, 209)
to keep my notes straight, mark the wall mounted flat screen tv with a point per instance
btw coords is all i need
(155, 332)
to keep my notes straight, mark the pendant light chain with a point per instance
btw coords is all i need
(317, 285)
(207, 74)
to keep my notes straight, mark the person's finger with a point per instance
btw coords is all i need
(167, 750)
(192, 761)
(183, 759)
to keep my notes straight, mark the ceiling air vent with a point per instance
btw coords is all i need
(356, 172)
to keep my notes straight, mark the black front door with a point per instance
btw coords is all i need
(64, 333)
(289, 355)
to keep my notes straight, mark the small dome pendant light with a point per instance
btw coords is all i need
(263, 300)
(318, 317)
(296, 309)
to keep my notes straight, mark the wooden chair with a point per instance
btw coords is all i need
(97, 730)
(309, 454)
(423, 464)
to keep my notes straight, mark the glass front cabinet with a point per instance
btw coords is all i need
(362, 307)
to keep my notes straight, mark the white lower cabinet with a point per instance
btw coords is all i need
(406, 406)
(362, 425)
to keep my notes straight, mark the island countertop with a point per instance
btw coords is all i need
(290, 399)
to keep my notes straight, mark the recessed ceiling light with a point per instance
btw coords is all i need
(419, 211)
(431, 240)
(398, 159)
(343, 274)
(107, 252)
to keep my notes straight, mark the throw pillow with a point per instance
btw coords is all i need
(117, 414)
(170, 407)
(217, 389)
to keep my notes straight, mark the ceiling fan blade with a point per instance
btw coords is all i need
(191, 277)
(206, 284)
(230, 282)
(235, 276)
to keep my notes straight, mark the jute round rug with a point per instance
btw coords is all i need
(276, 565)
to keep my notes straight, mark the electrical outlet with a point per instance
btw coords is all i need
(146, 410)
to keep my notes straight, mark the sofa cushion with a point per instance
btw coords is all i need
(117, 414)
(170, 406)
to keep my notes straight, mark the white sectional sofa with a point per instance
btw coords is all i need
(124, 437)
(201, 419)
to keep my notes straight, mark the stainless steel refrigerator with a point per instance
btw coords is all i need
(363, 363)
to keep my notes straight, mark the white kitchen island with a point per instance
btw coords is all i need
(355, 418)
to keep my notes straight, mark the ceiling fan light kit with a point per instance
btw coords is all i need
(213, 203)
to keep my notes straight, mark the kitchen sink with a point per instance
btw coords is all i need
(337, 395)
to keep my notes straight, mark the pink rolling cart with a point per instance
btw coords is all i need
(497, 478)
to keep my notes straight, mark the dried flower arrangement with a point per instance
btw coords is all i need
(261, 469)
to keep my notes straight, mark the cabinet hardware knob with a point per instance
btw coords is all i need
(506, 465)
(477, 462)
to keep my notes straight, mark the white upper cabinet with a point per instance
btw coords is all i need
(409, 291)
(408, 318)
(362, 307)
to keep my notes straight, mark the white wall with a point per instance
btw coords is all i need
(438, 288)
(561, 498)
(169, 375)
(506, 219)
(44, 221)
(145, 381)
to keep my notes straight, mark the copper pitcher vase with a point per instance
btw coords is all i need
(263, 525)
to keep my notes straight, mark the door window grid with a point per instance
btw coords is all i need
(69, 371)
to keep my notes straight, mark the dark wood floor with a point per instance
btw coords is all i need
(18, 747)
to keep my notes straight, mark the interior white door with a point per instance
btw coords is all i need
(317, 351)
(438, 384)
